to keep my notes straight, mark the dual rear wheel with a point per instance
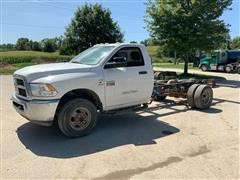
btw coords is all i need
(200, 96)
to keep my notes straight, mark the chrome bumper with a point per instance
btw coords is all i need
(36, 111)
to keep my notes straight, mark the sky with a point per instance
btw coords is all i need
(39, 19)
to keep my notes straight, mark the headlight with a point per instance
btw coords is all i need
(43, 90)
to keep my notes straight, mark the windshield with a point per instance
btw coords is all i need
(93, 55)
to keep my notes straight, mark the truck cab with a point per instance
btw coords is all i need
(221, 61)
(102, 78)
(216, 58)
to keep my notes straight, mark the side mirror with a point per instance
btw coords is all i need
(117, 62)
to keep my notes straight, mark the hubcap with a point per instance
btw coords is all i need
(80, 118)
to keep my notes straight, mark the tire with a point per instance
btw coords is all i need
(77, 118)
(190, 94)
(238, 70)
(204, 67)
(161, 98)
(203, 97)
(159, 76)
(228, 69)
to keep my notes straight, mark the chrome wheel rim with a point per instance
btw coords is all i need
(80, 118)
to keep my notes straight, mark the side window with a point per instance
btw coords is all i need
(133, 56)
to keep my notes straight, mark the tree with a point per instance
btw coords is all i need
(7, 47)
(187, 25)
(48, 45)
(91, 24)
(36, 46)
(144, 42)
(133, 42)
(22, 44)
(235, 43)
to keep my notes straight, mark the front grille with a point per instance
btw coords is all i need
(20, 86)
(20, 82)
(22, 92)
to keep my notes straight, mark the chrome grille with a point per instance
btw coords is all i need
(20, 86)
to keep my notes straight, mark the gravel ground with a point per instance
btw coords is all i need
(170, 141)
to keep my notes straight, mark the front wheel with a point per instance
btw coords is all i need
(77, 117)
(204, 67)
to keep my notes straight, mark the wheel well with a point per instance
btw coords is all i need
(204, 65)
(80, 93)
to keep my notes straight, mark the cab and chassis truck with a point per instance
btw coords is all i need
(105, 78)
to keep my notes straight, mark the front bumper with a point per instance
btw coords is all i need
(37, 111)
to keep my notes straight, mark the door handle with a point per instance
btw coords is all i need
(142, 72)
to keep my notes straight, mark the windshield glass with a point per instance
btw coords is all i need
(93, 55)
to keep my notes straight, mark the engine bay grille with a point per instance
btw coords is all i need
(20, 86)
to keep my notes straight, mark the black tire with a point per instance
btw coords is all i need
(159, 75)
(77, 118)
(204, 67)
(203, 97)
(161, 98)
(238, 70)
(228, 69)
(190, 94)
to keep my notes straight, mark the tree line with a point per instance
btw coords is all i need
(25, 44)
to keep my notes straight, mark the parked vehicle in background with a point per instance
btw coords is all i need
(227, 61)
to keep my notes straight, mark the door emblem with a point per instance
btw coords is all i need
(110, 83)
(101, 82)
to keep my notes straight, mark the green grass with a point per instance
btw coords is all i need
(10, 61)
(9, 69)
(153, 53)
(15, 57)
(171, 65)
(199, 76)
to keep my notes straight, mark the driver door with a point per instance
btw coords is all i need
(123, 85)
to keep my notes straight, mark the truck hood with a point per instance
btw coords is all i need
(39, 71)
(204, 60)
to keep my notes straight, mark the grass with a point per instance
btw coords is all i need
(171, 65)
(10, 61)
(10, 68)
(15, 57)
(199, 76)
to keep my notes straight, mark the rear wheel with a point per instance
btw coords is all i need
(228, 69)
(77, 117)
(203, 97)
(161, 98)
(204, 67)
(190, 94)
(238, 70)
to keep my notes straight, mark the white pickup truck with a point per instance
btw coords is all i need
(103, 78)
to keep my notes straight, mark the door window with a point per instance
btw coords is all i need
(133, 56)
